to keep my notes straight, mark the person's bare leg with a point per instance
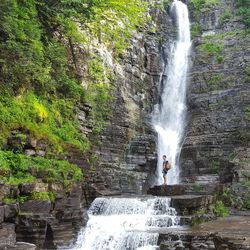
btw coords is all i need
(165, 180)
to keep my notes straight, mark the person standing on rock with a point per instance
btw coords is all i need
(165, 167)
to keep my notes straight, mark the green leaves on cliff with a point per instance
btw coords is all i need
(209, 49)
(18, 168)
(38, 80)
(244, 11)
(199, 6)
(53, 121)
(113, 21)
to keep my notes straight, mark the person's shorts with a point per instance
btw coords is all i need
(164, 172)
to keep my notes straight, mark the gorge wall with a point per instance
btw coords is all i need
(127, 154)
(216, 146)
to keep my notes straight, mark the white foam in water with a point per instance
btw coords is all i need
(169, 116)
(125, 224)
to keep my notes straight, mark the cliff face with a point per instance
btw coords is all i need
(127, 154)
(216, 146)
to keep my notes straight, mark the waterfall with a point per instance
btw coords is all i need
(126, 223)
(169, 115)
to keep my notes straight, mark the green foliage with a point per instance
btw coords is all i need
(18, 168)
(215, 166)
(248, 202)
(210, 49)
(227, 15)
(232, 156)
(43, 196)
(228, 34)
(219, 209)
(247, 113)
(39, 86)
(247, 71)
(100, 93)
(112, 22)
(199, 6)
(9, 200)
(220, 59)
(215, 80)
(52, 121)
(237, 195)
(244, 12)
(196, 30)
(22, 198)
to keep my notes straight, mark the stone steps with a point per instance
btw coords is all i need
(188, 198)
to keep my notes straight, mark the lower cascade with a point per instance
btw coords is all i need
(126, 223)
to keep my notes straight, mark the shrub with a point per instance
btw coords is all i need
(225, 16)
(248, 202)
(247, 113)
(196, 30)
(220, 210)
(18, 168)
(211, 48)
(43, 196)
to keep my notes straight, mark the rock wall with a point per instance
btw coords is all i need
(127, 154)
(216, 146)
(45, 223)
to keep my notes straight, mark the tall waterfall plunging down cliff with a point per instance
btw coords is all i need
(126, 223)
(169, 115)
